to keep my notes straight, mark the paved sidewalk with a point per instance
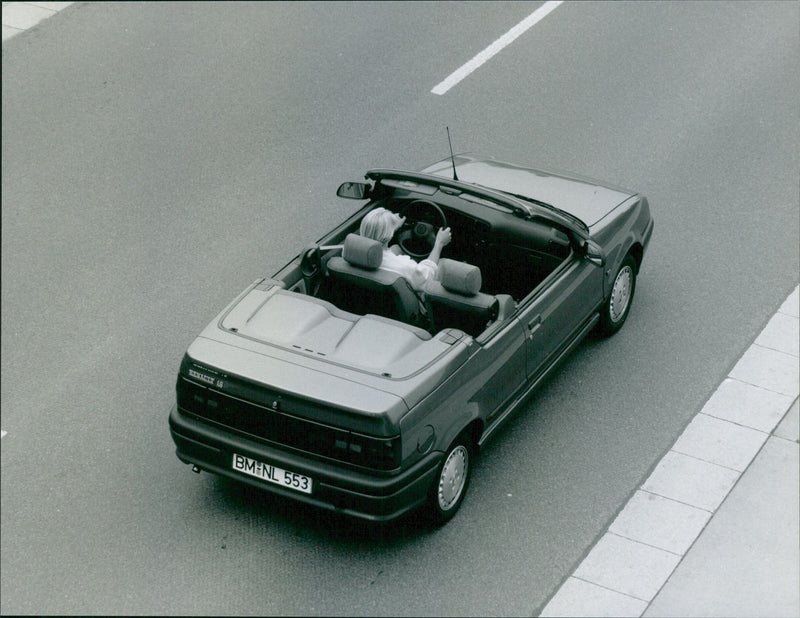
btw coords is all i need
(20, 16)
(745, 562)
(714, 530)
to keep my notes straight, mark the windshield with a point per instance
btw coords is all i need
(523, 207)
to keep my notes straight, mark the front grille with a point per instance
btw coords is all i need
(286, 430)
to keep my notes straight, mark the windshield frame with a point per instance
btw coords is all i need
(526, 208)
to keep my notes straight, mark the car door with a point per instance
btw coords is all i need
(558, 309)
(502, 364)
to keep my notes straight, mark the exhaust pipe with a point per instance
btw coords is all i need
(196, 469)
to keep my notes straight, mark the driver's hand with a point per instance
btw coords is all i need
(443, 237)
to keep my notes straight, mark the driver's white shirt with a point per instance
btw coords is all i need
(416, 273)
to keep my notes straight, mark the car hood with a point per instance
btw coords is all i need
(585, 198)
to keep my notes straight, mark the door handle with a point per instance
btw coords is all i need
(534, 324)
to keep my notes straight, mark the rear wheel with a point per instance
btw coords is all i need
(616, 308)
(452, 479)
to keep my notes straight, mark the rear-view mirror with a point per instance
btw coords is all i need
(354, 190)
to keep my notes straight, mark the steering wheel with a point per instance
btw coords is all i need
(418, 234)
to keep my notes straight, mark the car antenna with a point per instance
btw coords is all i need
(452, 158)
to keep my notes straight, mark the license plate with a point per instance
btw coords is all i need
(273, 474)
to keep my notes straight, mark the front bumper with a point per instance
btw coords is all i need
(336, 488)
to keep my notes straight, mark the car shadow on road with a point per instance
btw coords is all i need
(314, 523)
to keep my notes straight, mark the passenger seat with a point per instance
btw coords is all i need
(454, 300)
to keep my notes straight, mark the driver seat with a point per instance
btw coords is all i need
(358, 285)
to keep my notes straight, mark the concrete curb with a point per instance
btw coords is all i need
(633, 561)
(21, 16)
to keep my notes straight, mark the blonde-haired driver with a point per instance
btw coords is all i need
(381, 224)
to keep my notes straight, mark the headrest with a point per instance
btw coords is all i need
(459, 277)
(362, 251)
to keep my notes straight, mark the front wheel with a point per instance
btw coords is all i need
(452, 479)
(618, 304)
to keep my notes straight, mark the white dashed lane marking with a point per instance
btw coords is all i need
(496, 47)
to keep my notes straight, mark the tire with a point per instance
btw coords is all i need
(615, 309)
(451, 482)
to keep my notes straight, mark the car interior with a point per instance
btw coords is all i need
(495, 259)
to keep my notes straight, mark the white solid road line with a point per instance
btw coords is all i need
(505, 40)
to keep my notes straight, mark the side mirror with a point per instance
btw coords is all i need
(594, 253)
(354, 190)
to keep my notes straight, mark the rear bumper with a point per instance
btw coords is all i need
(336, 488)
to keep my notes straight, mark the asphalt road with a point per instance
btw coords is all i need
(158, 157)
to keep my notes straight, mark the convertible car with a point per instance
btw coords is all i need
(335, 383)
